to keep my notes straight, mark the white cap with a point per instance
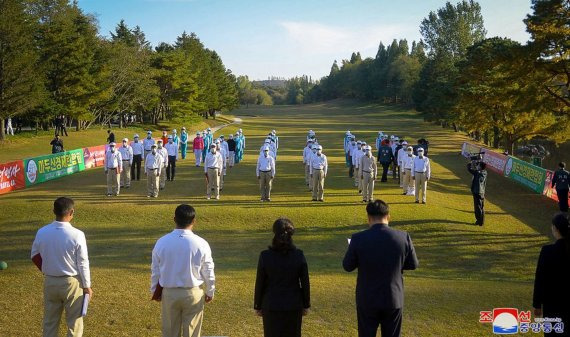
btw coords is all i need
(183, 128)
(208, 129)
(217, 141)
(392, 137)
(267, 141)
(348, 132)
(149, 132)
(404, 143)
(159, 141)
(420, 149)
(368, 148)
(410, 148)
(319, 147)
(266, 148)
(197, 132)
(273, 131)
(125, 139)
(112, 144)
(136, 135)
(170, 137)
(213, 145)
(363, 143)
(359, 142)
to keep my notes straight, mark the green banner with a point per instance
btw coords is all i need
(526, 174)
(44, 168)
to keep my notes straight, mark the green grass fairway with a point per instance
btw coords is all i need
(463, 268)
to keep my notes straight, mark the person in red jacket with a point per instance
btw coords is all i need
(198, 147)
(164, 137)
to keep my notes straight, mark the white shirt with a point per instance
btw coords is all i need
(225, 148)
(352, 149)
(319, 163)
(153, 161)
(407, 161)
(63, 249)
(421, 165)
(126, 153)
(164, 155)
(356, 157)
(182, 259)
(147, 143)
(113, 160)
(401, 154)
(265, 164)
(213, 161)
(307, 152)
(172, 149)
(138, 148)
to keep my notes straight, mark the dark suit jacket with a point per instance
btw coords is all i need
(552, 280)
(282, 281)
(479, 181)
(381, 255)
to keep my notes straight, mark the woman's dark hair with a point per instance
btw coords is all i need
(560, 221)
(283, 230)
(184, 215)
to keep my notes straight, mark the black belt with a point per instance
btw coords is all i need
(213, 168)
(317, 169)
(265, 171)
(152, 169)
(420, 172)
(126, 160)
(366, 171)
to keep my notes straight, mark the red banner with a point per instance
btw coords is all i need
(94, 156)
(495, 161)
(548, 190)
(12, 176)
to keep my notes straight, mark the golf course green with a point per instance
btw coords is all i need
(463, 269)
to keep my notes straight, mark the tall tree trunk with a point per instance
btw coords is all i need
(496, 137)
(509, 144)
(78, 126)
(486, 138)
(2, 134)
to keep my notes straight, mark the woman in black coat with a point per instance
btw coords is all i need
(282, 291)
(552, 282)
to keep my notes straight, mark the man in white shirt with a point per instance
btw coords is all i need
(319, 167)
(172, 152)
(9, 128)
(221, 151)
(351, 149)
(152, 167)
(113, 168)
(400, 156)
(307, 153)
(265, 171)
(407, 163)
(126, 152)
(182, 265)
(213, 166)
(368, 173)
(421, 173)
(161, 150)
(138, 153)
(147, 143)
(60, 252)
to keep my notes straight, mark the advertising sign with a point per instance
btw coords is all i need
(526, 174)
(495, 161)
(94, 156)
(44, 168)
(12, 176)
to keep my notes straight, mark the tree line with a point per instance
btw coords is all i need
(53, 62)
(496, 89)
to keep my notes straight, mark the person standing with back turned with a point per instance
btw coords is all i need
(381, 255)
(182, 276)
(478, 184)
(551, 295)
(561, 180)
(282, 289)
(60, 252)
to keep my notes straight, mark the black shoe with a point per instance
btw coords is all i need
(321, 200)
(268, 200)
(404, 193)
(417, 202)
(364, 201)
(423, 202)
(314, 199)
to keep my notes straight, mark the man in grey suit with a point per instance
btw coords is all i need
(381, 255)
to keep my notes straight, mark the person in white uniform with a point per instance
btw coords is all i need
(407, 163)
(59, 251)
(319, 168)
(265, 171)
(147, 143)
(307, 153)
(213, 166)
(113, 168)
(421, 174)
(127, 156)
(182, 276)
(161, 150)
(153, 166)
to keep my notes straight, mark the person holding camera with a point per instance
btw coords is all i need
(479, 171)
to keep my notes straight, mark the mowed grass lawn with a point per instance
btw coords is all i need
(463, 268)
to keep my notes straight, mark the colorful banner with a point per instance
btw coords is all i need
(45, 168)
(94, 156)
(12, 176)
(469, 149)
(526, 174)
(548, 190)
(495, 161)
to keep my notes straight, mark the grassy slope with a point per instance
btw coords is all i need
(463, 268)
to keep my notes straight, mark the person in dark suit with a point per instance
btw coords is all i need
(282, 291)
(478, 184)
(381, 255)
(561, 180)
(551, 292)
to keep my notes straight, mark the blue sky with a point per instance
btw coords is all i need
(262, 38)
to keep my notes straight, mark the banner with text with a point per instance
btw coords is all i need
(495, 161)
(94, 156)
(12, 176)
(548, 190)
(469, 149)
(45, 168)
(526, 174)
